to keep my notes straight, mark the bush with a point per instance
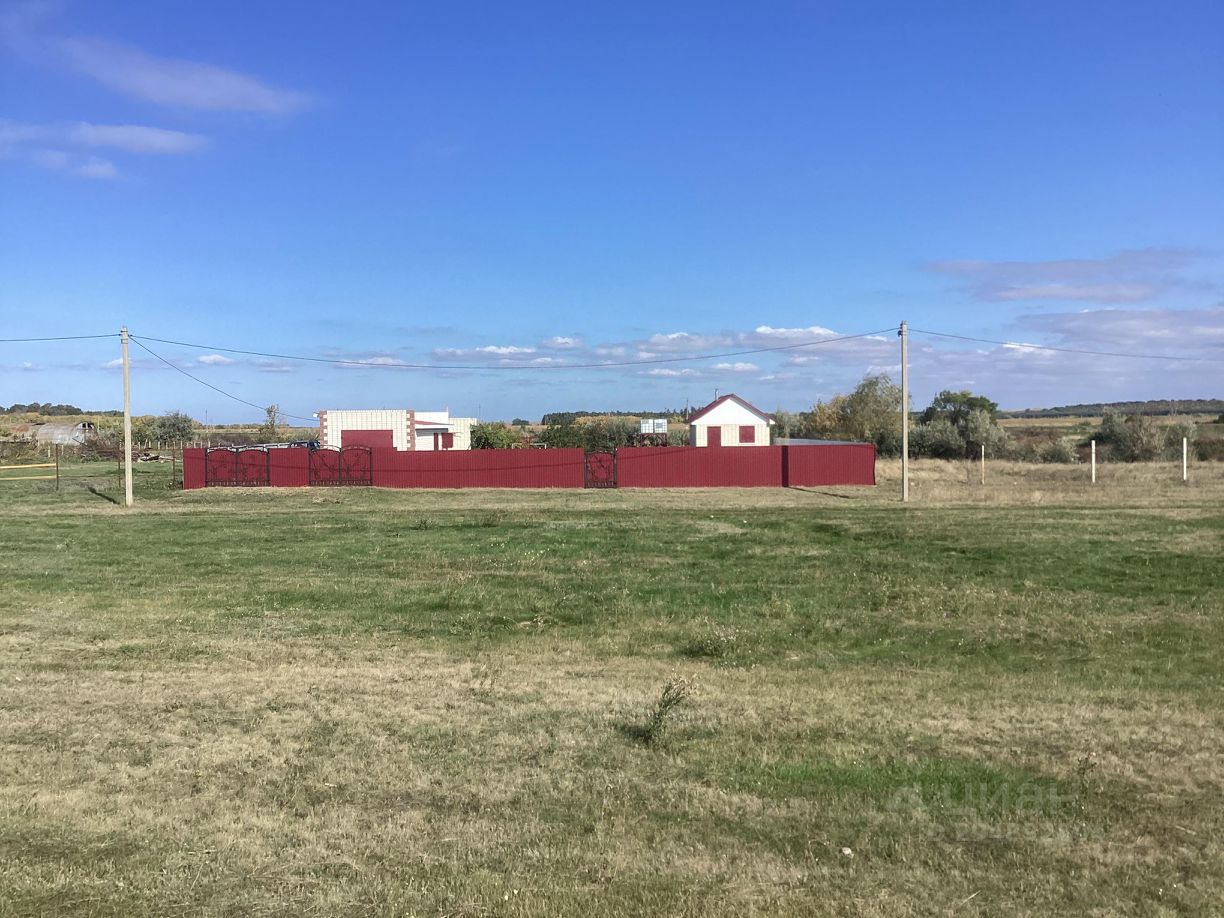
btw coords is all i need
(494, 436)
(1061, 450)
(937, 439)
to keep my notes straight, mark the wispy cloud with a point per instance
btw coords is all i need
(215, 360)
(380, 360)
(91, 167)
(1130, 276)
(173, 81)
(135, 138)
(168, 81)
(1186, 332)
(58, 147)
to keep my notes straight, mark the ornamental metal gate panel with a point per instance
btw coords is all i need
(349, 465)
(599, 470)
(237, 467)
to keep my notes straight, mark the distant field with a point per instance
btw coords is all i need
(999, 700)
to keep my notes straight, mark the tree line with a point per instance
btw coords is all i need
(48, 410)
(958, 424)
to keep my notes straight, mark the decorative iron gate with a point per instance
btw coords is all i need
(599, 470)
(349, 465)
(237, 467)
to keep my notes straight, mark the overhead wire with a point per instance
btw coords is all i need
(57, 338)
(230, 395)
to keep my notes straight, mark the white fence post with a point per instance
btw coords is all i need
(1094, 461)
(1185, 460)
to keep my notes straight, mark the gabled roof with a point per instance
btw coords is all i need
(730, 397)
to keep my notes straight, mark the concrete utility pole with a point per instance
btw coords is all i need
(127, 419)
(904, 333)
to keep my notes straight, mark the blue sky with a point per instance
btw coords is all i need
(492, 184)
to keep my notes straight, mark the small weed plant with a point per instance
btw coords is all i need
(676, 692)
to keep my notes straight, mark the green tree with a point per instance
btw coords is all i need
(172, 428)
(981, 430)
(956, 406)
(786, 423)
(269, 431)
(972, 417)
(493, 436)
(871, 413)
(937, 439)
(562, 436)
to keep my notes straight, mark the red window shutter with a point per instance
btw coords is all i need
(747, 433)
(448, 441)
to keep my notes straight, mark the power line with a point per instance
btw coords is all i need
(57, 338)
(557, 366)
(1064, 350)
(172, 366)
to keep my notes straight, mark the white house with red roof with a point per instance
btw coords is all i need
(729, 421)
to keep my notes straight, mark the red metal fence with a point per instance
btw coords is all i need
(635, 467)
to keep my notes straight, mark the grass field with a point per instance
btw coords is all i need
(998, 700)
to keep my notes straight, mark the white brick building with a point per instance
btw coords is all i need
(399, 428)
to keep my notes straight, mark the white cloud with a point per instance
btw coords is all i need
(215, 360)
(812, 332)
(1129, 276)
(96, 168)
(1100, 293)
(488, 352)
(135, 138)
(737, 367)
(42, 145)
(1186, 332)
(380, 361)
(175, 82)
(666, 372)
(561, 342)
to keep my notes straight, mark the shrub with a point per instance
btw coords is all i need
(494, 436)
(1061, 450)
(937, 439)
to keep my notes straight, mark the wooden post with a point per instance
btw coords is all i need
(1094, 461)
(127, 419)
(904, 333)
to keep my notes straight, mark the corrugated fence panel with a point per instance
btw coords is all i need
(637, 467)
(834, 464)
(479, 468)
(289, 467)
(699, 467)
(193, 468)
